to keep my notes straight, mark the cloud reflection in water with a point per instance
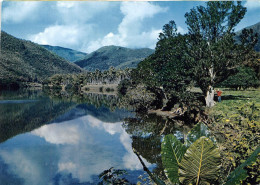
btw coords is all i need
(82, 147)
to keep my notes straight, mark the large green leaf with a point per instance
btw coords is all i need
(240, 174)
(200, 163)
(198, 131)
(172, 153)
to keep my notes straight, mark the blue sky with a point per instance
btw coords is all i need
(87, 26)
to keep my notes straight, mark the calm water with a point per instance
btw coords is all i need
(47, 140)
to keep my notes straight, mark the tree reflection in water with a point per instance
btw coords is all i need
(147, 131)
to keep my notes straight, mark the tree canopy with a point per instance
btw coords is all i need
(204, 56)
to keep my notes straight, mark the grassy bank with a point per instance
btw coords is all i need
(236, 124)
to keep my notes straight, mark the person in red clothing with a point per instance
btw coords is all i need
(219, 95)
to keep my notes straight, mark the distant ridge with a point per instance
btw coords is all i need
(66, 53)
(25, 61)
(116, 56)
(256, 29)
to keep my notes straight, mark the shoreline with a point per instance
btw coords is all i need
(166, 114)
(107, 89)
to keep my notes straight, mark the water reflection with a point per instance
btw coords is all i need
(147, 131)
(20, 116)
(62, 141)
(16, 101)
(70, 150)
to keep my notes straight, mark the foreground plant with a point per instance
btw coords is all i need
(236, 124)
(240, 173)
(198, 160)
(200, 163)
(195, 162)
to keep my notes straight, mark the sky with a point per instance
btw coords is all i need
(86, 26)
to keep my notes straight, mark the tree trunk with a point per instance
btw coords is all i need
(209, 98)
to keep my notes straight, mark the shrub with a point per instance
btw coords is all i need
(109, 89)
(122, 87)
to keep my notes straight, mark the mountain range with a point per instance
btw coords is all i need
(25, 61)
(116, 56)
(121, 57)
(103, 58)
(66, 53)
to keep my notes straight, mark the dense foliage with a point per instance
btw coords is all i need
(24, 61)
(213, 52)
(236, 125)
(76, 82)
(256, 29)
(165, 70)
(244, 78)
(206, 55)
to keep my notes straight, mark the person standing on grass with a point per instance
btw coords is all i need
(219, 95)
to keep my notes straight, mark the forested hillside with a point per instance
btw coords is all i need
(66, 53)
(24, 61)
(116, 56)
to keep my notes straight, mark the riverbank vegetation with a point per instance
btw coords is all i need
(179, 79)
(207, 57)
(104, 81)
(236, 123)
(204, 57)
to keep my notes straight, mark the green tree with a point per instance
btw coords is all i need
(212, 51)
(165, 70)
(206, 55)
(243, 79)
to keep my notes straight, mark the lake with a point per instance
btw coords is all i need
(52, 140)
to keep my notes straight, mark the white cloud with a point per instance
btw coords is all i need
(140, 10)
(62, 35)
(69, 166)
(130, 160)
(134, 13)
(80, 12)
(252, 4)
(55, 134)
(86, 151)
(111, 128)
(73, 27)
(23, 166)
(181, 30)
(129, 30)
(19, 12)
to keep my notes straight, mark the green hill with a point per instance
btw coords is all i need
(66, 53)
(256, 29)
(25, 61)
(116, 56)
